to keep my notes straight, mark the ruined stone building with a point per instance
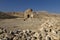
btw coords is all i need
(28, 14)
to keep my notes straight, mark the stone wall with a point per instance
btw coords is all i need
(28, 14)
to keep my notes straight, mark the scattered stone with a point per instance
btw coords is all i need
(30, 34)
(1, 31)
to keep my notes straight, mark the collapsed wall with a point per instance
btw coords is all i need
(28, 14)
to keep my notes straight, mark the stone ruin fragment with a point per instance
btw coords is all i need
(28, 14)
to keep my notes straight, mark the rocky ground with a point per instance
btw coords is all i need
(42, 34)
(36, 27)
(47, 28)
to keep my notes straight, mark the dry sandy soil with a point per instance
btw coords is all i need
(39, 22)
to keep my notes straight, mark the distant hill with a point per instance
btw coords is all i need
(6, 15)
(9, 15)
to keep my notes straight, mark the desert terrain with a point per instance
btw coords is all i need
(29, 25)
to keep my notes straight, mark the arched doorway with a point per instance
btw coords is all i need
(28, 16)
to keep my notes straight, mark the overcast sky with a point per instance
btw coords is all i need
(36, 5)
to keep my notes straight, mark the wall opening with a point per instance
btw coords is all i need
(28, 16)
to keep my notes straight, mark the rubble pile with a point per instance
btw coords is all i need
(27, 34)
